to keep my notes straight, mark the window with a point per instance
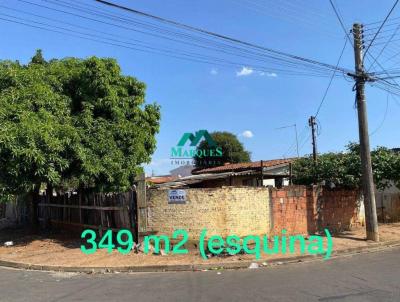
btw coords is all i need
(248, 182)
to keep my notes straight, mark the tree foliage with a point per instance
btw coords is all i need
(233, 151)
(72, 123)
(344, 168)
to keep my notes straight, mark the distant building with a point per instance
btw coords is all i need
(161, 179)
(182, 171)
(274, 173)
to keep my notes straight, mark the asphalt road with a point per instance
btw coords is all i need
(360, 278)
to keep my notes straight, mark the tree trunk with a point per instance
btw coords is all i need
(33, 200)
(47, 210)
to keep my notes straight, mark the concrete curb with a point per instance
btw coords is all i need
(373, 247)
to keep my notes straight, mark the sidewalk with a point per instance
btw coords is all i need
(58, 252)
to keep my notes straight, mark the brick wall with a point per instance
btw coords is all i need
(338, 210)
(302, 210)
(254, 211)
(293, 210)
(223, 211)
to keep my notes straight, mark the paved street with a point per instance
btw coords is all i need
(366, 277)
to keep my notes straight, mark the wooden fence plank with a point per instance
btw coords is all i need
(83, 207)
(92, 210)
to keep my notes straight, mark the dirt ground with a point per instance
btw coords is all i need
(64, 250)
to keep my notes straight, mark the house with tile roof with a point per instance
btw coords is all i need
(274, 173)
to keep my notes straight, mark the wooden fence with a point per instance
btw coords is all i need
(90, 210)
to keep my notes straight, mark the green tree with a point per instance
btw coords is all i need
(233, 151)
(72, 123)
(36, 128)
(38, 58)
(117, 131)
(344, 168)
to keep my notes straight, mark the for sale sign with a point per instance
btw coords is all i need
(176, 196)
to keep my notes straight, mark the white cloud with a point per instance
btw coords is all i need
(214, 71)
(245, 71)
(268, 74)
(247, 134)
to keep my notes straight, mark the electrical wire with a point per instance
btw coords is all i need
(298, 140)
(383, 48)
(330, 81)
(207, 40)
(384, 117)
(145, 48)
(340, 21)
(383, 23)
(291, 13)
(277, 59)
(220, 36)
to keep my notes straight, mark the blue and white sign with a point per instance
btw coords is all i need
(176, 196)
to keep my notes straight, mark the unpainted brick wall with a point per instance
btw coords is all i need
(293, 210)
(339, 210)
(223, 211)
(306, 210)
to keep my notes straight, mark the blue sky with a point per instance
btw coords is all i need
(197, 96)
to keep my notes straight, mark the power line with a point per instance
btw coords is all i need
(305, 142)
(215, 46)
(340, 21)
(383, 37)
(387, 25)
(347, 34)
(223, 37)
(383, 23)
(383, 48)
(183, 56)
(387, 88)
(384, 117)
(281, 57)
(331, 79)
(293, 147)
(289, 12)
(195, 57)
(379, 22)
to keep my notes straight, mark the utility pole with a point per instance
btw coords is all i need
(296, 136)
(297, 141)
(361, 77)
(312, 123)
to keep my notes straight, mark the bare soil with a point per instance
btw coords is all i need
(63, 249)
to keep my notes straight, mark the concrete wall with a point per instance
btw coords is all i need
(8, 216)
(388, 204)
(223, 211)
(13, 213)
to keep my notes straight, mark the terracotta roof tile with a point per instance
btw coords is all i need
(161, 179)
(244, 166)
